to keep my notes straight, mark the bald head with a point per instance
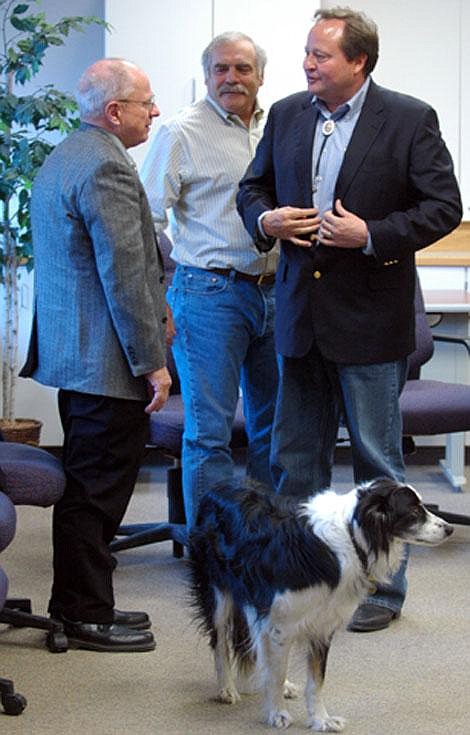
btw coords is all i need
(103, 81)
(116, 95)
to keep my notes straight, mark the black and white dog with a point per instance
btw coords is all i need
(268, 572)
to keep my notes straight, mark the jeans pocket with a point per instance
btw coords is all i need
(204, 283)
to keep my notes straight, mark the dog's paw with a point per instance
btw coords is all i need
(291, 691)
(280, 719)
(228, 696)
(327, 724)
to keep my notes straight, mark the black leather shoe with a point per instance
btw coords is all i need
(368, 618)
(132, 619)
(107, 637)
(129, 618)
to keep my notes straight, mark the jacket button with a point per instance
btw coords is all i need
(317, 274)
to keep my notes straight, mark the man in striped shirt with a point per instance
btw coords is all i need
(222, 293)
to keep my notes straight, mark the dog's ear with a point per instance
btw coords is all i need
(376, 511)
(406, 509)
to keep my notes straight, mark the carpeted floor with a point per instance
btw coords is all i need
(412, 678)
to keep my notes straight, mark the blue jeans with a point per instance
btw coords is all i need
(313, 395)
(224, 340)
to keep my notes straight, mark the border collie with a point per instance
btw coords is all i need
(268, 571)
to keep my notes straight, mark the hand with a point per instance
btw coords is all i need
(290, 223)
(342, 230)
(159, 382)
(170, 327)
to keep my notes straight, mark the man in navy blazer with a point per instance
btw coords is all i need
(353, 179)
(99, 336)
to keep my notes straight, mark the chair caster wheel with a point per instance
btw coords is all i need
(13, 704)
(57, 642)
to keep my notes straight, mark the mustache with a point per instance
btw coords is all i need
(238, 88)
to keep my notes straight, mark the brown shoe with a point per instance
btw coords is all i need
(369, 618)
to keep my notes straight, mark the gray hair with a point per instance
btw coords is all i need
(360, 34)
(230, 37)
(103, 81)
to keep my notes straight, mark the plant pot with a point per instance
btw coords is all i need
(23, 431)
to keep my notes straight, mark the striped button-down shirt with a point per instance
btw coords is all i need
(193, 168)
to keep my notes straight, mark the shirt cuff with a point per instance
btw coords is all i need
(260, 224)
(369, 248)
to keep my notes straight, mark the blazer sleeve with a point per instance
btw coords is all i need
(432, 206)
(257, 190)
(114, 207)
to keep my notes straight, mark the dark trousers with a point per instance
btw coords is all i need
(104, 440)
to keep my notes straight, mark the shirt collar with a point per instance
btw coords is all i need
(229, 116)
(353, 105)
(112, 137)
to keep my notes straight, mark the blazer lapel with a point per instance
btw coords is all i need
(304, 130)
(368, 127)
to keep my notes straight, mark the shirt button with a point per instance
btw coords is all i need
(317, 274)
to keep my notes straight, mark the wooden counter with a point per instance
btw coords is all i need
(454, 249)
(447, 301)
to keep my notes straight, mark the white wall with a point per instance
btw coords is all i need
(423, 52)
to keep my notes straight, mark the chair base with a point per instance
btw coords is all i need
(141, 534)
(453, 465)
(13, 702)
(456, 518)
(18, 614)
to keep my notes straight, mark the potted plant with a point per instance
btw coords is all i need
(28, 121)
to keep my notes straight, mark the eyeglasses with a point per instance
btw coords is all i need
(148, 104)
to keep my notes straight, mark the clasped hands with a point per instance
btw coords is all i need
(304, 227)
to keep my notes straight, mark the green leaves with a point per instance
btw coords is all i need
(23, 53)
(28, 122)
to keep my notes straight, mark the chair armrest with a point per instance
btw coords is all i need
(465, 341)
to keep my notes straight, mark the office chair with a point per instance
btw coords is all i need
(30, 476)
(13, 703)
(166, 432)
(431, 407)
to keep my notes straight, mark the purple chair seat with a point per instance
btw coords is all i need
(434, 407)
(29, 475)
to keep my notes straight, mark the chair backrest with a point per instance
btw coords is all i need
(424, 340)
(169, 266)
(7, 521)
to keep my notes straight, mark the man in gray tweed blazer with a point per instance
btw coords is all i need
(99, 336)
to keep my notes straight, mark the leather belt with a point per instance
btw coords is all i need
(258, 278)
